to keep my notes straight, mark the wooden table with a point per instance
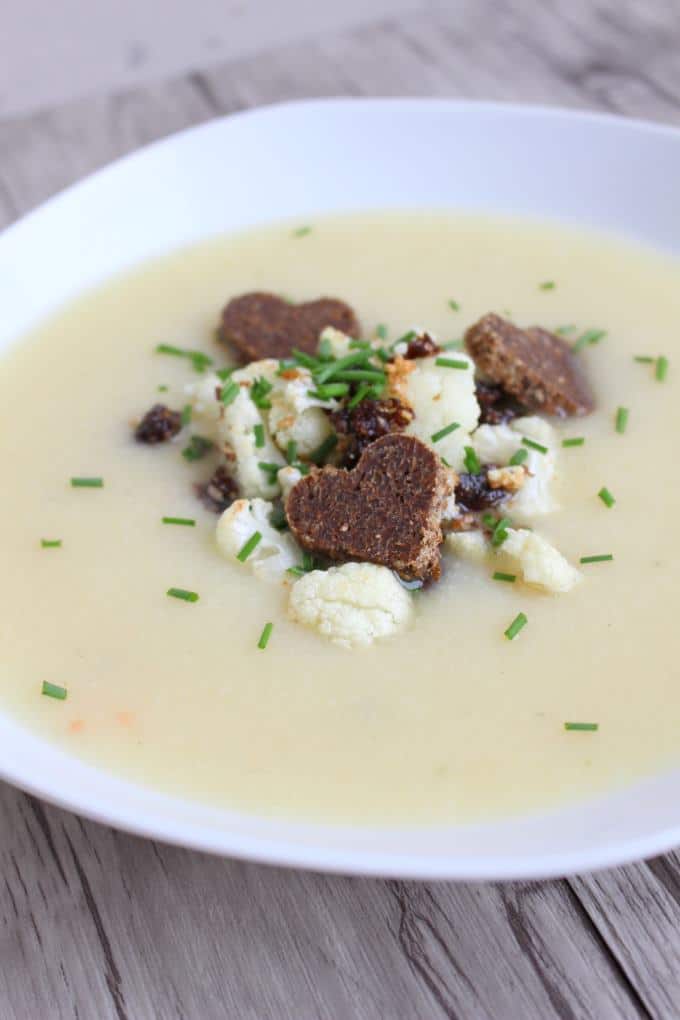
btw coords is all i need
(95, 924)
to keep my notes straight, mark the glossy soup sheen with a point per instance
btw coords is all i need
(447, 722)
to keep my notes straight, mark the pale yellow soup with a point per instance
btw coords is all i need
(446, 722)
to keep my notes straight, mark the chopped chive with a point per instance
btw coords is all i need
(603, 558)
(488, 520)
(661, 370)
(405, 339)
(229, 393)
(296, 571)
(518, 457)
(198, 358)
(329, 390)
(87, 483)
(381, 331)
(621, 419)
(516, 626)
(534, 445)
(472, 462)
(197, 448)
(576, 441)
(319, 455)
(291, 451)
(547, 285)
(183, 594)
(53, 691)
(162, 388)
(259, 436)
(285, 365)
(500, 531)
(277, 518)
(224, 373)
(446, 431)
(451, 363)
(328, 372)
(302, 231)
(453, 305)
(200, 361)
(259, 392)
(248, 546)
(591, 336)
(265, 635)
(360, 345)
(360, 375)
(307, 561)
(188, 522)
(304, 359)
(325, 349)
(500, 576)
(382, 355)
(445, 462)
(606, 497)
(269, 469)
(585, 727)
(644, 359)
(362, 391)
(50, 543)
(186, 414)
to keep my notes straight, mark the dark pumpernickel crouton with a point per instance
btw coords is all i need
(496, 407)
(158, 425)
(422, 346)
(533, 365)
(219, 491)
(261, 325)
(368, 421)
(474, 492)
(386, 511)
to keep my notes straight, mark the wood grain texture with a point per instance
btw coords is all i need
(98, 924)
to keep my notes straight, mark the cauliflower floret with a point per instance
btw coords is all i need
(288, 477)
(538, 561)
(440, 396)
(236, 432)
(351, 605)
(338, 340)
(496, 444)
(202, 396)
(297, 416)
(275, 552)
(469, 545)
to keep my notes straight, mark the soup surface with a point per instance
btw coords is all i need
(446, 722)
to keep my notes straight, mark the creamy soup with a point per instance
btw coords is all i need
(447, 721)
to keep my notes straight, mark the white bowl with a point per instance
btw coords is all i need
(326, 156)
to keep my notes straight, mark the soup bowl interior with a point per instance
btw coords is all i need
(295, 161)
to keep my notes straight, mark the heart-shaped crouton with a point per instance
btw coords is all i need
(387, 510)
(535, 366)
(261, 325)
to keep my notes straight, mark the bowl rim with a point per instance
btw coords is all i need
(314, 854)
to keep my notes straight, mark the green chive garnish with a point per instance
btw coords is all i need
(302, 231)
(362, 392)
(585, 727)
(454, 306)
(591, 336)
(269, 469)
(50, 543)
(248, 546)
(644, 359)
(472, 463)
(291, 451)
(516, 626)
(518, 457)
(304, 359)
(446, 431)
(229, 393)
(329, 372)
(328, 391)
(188, 522)
(606, 497)
(87, 483)
(54, 691)
(621, 419)
(319, 455)
(199, 360)
(259, 392)
(451, 363)
(325, 349)
(277, 518)
(373, 375)
(265, 635)
(197, 448)
(576, 441)
(382, 355)
(534, 445)
(259, 436)
(500, 531)
(661, 370)
(224, 373)
(381, 331)
(186, 414)
(500, 576)
(547, 285)
(603, 558)
(183, 594)
(162, 388)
